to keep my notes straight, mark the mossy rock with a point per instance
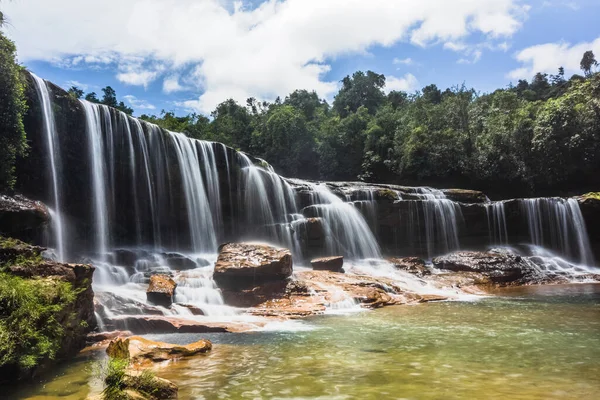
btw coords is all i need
(592, 195)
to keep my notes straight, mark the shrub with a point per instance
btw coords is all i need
(31, 319)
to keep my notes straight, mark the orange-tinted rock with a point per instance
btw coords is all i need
(333, 264)
(161, 290)
(243, 265)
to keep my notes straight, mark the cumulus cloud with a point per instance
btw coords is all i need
(407, 83)
(171, 84)
(138, 103)
(550, 56)
(238, 50)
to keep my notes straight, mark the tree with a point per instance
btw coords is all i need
(587, 62)
(13, 142)
(110, 97)
(287, 141)
(360, 90)
(75, 92)
(92, 97)
(232, 125)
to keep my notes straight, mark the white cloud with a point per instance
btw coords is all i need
(171, 84)
(80, 85)
(405, 61)
(550, 56)
(407, 83)
(138, 104)
(238, 51)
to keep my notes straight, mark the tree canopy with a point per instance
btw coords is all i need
(539, 136)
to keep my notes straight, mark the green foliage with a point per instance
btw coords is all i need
(592, 195)
(588, 62)
(13, 142)
(360, 90)
(114, 379)
(109, 98)
(75, 92)
(39, 302)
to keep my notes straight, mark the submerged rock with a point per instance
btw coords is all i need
(498, 267)
(413, 265)
(243, 265)
(161, 290)
(333, 264)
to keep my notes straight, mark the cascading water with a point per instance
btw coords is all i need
(558, 224)
(160, 199)
(58, 226)
(496, 219)
(97, 154)
(270, 205)
(200, 217)
(440, 220)
(347, 232)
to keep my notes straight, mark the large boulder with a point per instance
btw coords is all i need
(242, 265)
(499, 267)
(161, 290)
(333, 264)
(141, 350)
(22, 218)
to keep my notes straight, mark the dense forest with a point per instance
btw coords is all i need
(536, 137)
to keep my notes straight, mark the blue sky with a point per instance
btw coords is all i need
(189, 55)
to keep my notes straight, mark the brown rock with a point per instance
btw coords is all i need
(161, 290)
(414, 265)
(333, 264)
(118, 348)
(243, 265)
(142, 350)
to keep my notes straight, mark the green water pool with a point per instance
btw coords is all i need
(524, 343)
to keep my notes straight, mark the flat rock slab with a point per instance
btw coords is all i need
(139, 324)
(333, 264)
(242, 265)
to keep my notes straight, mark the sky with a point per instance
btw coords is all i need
(190, 55)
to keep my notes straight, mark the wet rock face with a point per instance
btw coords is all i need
(161, 290)
(22, 218)
(333, 264)
(465, 196)
(243, 265)
(498, 267)
(413, 265)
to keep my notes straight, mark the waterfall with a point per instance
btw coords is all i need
(200, 218)
(347, 232)
(496, 219)
(558, 224)
(440, 220)
(98, 172)
(270, 205)
(53, 146)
